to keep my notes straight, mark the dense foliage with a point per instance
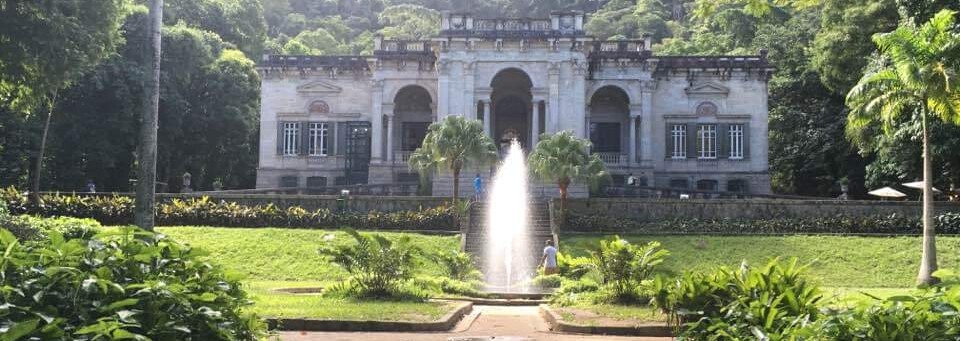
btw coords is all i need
(947, 223)
(378, 267)
(126, 285)
(118, 210)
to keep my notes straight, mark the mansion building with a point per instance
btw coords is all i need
(680, 122)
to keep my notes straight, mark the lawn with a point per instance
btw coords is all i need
(287, 258)
(274, 258)
(842, 262)
(606, 314)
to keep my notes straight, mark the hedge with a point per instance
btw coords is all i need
(118, 210)
(947, 223)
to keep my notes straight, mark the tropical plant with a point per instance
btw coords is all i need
(916, 75)
(564, 158)
(459, 265)
(623, 266)
(768, 303)
(377, 266)
(452, 144)
(129, 284)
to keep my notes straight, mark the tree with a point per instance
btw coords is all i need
(564, 158)
(917, 72)
(452, 144)
(44, 47)
(409, 22)
(147, 150)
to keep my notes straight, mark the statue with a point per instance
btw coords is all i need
(186, 183)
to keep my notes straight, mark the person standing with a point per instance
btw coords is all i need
(549, 259)
(478, 187)
(91, 187)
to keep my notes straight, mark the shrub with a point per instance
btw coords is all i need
(770, 302)
(459, 265)
(131, 285)
(377, 266)
(118, 210)
(547, 281)
(947, 223)
(623, 266)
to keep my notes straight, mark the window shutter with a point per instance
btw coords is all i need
(692, 140)
(280, 137)
(328, 127)
(669, 149)
(304, 138)
(723, 141)
(746, 140)
(341, 138)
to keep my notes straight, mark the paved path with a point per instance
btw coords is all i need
(520, 322)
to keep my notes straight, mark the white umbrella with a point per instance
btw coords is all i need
(887, 192)
(918, 185)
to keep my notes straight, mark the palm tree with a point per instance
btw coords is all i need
(452, 144)
(916, 76)
(147, 151)
(565, 158)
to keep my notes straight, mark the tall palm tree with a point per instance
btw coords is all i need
(564, 158)
(452, 144)
(147, 150)
(917, 75)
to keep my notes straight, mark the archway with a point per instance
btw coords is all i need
(511, 114)
(610, 121)
(412, 114)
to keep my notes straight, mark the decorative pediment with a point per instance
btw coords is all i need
(319, 87)
(708, 88)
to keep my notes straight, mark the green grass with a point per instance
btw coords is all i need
(274, 258)
(274, 304)
(855, 262)
(276, 254)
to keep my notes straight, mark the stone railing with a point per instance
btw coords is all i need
(314, 62)
(391, 47)
(401, 157)
(613, 159)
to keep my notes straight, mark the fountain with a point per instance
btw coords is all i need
(509, 261)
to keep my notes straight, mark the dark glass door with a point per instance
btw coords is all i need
(357, 152)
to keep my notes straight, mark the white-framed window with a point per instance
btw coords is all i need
(678, 132)
(707, 141)
(319, 137)
(291, 138)
(735, 136)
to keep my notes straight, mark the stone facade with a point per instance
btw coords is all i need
(671, 121)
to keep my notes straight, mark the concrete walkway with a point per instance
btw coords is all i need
(506, 323)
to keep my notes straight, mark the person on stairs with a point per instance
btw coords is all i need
(478, 187)
(549, 260)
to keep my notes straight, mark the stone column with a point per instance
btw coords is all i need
(487, 120)
(633, 140)
(553, 114)
(390, 137)
(376, 121)
(535, 126)
(469, 104)
(586, 122)
(646, 123)
(443, 89)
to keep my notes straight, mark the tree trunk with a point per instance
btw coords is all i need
(38, 163)
(147, 170)
(928, 261)
(563, 184)
(456, 185)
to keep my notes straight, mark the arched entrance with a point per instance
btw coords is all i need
(511, 114)
(610, 124)
(412, 113)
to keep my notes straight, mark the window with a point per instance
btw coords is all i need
(678, 132)
(707, 185)
(319, 137)
(316, 182)
(291, 138)
(605, 137)
(678, 183)
(289, 181)
(707, 141)
(738, 186)
(735, 135)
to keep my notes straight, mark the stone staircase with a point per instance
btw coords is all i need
(476, 236)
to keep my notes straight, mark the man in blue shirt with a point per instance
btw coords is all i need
(478, 187)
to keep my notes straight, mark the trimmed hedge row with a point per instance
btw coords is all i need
(947, 223)
(118, 210)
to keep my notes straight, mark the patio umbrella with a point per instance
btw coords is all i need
(919, 185)
(887, 192)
